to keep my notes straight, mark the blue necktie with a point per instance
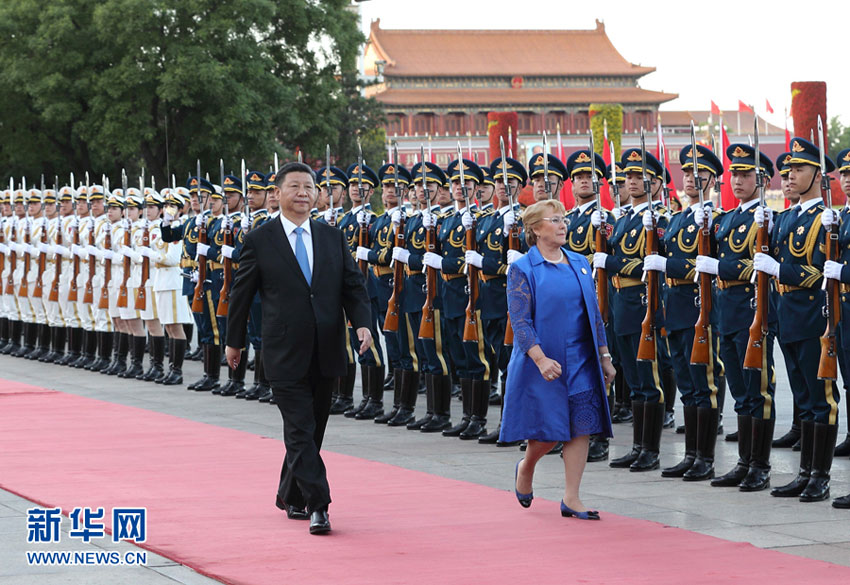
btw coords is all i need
(301, 254)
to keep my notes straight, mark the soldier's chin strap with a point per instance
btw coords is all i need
(814, 176)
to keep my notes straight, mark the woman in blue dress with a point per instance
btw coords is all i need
(560, 366)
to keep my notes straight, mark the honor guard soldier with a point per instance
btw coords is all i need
(625, 266)
(12, 225)
(131, 317)
(110, 242)
(689, 232)
(736, 233)
(150, 230)
(361, 184)
(94, 235)
(57, 331)
(6, 315)
(799, 247)
(33, 229)
(581, 238)
(75, 217)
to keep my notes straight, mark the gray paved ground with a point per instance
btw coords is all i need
(810, 530)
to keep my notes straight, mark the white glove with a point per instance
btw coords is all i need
(76, 250)
(764, 213)
(829, 218)
(175, 224)
(146, 252)
(21, 249)
(474, 258)
(203, 249)
(514, 255)
(599, 259)
(764, 263)
(167, 217)
(107, 255)
(648, 218)
(617, 213)
(63, 251)
(227, 251)
(329, 216)
(362, 253)
(596, 218)
(92, 251)
(362, 217)
(42, 247)
(832, 270)
(655, 262)
(427, 219)
(32, 250)
(396, 217)
(245, 222)
(467, 220)
(701, 215)
(433, 260)
(401, 255)
(509, 219)
(707, 264)
(128, 252)
(4, 249)
(194, 276)
(199, 220)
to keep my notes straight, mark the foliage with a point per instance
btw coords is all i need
(613, 114)
(839, 136)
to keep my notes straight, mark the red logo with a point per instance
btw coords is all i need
(516, 82)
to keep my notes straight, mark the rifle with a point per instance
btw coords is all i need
(470, 326)
(13, 256)
(122, 290)
(601, 237)
(332, 222)
(701, 348)
(37, 290)
(103, 303)
(23, 290)
(827, 368)
(615, 188)
(88, 295)
(426, 325)
(754, 356)
(647, 348)
(547, 185)
(224, 293)
(513, 234)
(198, 298)
(363, 234)
(72, 291)
(141, 292)
(246, 208)
(391, 318)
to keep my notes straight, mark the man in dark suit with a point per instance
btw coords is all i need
(306, 278)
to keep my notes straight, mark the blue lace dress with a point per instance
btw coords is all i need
(554, 305)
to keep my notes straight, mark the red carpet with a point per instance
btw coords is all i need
(210, 491)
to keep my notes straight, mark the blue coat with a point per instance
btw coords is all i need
(536, 408)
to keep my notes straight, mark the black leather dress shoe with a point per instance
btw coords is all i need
(292, 512)
(319, 522)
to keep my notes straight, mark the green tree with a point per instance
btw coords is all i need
(839, 136)
(99, 85)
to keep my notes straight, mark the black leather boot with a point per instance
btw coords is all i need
(442, 418)
(407, 402)
(345, 391)
(256, 388)
(799, 483)
(396, 386)
(679, 470)
(42, 344)
(188, 333)
(205, 375)
(626, 460)
(843, 449)
(742, 467)
(169, 352)
(417, 425)
(466, 399)
(175, 369)
(668, 383)
(788, 440)
(157, 347)
(119, 363)
(237, 376)
(87, 349)
(30, 338)
(703, 467)
(213, 368)
(49, 357)
(817, 490)
(4, 332)
(375, 404)
(650, 446)
(14, 344)
(758, 476)
(388, 381)
(57, 355)
(106, 342)
(364, 384)
(137, 363)
(477, 426)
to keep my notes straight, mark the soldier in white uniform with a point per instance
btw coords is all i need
(93, 236)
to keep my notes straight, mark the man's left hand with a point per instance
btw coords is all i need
(233, 355)
(365, 337)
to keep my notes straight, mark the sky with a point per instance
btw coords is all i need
(744, 50)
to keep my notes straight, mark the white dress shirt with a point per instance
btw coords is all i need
(306, 237)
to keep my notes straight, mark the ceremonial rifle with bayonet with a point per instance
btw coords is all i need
(547, 185)
(13, 254)
(37, 290)
(470, 326)
(615, 188)
(647, 347)
(198, 296)
(754, 356)
(103, 302)
(827, 366)
(23, 290)
(123, 289)
(227, 263)
(73, 289)
(601, 237)
(363, 235)
(328, 188)
(426, 325)
(701, 348)
(513, 234)
(391, 318)
(141, 292)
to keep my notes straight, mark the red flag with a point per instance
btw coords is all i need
(767, 105)
(727, 198)
(787, 148)
(742, 107)
(604, 188)
(715, 110)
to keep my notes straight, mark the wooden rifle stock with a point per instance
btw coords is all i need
(141, 292)
(13, 264)
(103, 303)
(513, 244)
(54, 286)
(701, 349)
(123, 293)
(363, 241)
(391, 318)
(470, 326)
(646, 348)
(754, 357)
(198, 298)
(828, 364)
(88, 295)
(38, 291)
(24, 289)
(2, 256)
(224, 293)
(426, 325)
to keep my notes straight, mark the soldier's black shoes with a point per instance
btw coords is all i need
(703, 467)
(842, 502)
(319, 522)
(799, 483)
(598, 449)
(817, 489)
(789, 439)
(690, 429)
(742, 467)
(669, 419)
(843, 448)
(758, 476)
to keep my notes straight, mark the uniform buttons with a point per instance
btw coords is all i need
(722, 254)
(811, 298)
(746, 289)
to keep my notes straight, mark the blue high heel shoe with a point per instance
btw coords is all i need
(569, 512)
(523, 499)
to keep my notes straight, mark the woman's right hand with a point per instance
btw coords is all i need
(549, 369)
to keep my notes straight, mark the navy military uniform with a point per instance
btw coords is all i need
(799, 248)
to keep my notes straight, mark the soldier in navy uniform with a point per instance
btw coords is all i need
(372, 362)
(471, 359)
(625, 267)
(799, 247)
(697, 383)
(753, 390)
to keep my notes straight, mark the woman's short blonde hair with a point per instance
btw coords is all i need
(535, 213)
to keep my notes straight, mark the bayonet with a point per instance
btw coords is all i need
(547, 186)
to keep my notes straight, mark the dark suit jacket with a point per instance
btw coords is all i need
(295, 314)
